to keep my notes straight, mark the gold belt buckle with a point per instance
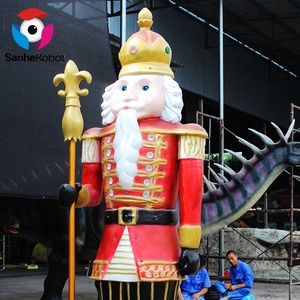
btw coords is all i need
(127, 216)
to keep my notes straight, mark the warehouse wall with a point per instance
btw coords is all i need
(34, 156)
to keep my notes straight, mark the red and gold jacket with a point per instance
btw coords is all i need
(145, 218)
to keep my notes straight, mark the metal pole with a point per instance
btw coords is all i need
(266, 219)
(291, 217)
(71, 257)
(221, 233)
(123, 22)
(266, 216)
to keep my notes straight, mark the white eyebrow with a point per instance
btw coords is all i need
(144, 80)
(122, 82)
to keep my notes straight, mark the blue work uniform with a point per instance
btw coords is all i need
(242, 273)
(194, 284)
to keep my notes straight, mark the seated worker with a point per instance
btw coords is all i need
(196, 285)
(241, 277)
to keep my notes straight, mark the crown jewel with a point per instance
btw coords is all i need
(145, 52)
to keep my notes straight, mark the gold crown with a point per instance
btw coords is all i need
(145, 52)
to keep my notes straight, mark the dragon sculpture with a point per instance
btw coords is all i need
(47, 222)
(228, 202)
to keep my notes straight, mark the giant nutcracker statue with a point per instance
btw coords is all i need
(143, 160)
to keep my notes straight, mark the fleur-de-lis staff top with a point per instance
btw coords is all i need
(72, 122)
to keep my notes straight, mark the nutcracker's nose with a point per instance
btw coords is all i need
(129, 98)
(130, 95)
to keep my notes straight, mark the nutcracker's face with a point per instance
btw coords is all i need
(143, 93)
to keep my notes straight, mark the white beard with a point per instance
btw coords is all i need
(127, 143)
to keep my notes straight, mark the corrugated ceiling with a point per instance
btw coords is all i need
(271, 27)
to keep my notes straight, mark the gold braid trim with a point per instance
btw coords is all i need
(90, 151)
(189, 236)
(191, 146)
(83, 197)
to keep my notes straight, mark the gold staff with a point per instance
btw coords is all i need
(72, 126)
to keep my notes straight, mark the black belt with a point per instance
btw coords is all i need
(132, 216)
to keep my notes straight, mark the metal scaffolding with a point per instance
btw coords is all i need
(291, 260)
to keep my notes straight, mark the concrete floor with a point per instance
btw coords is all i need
(28, 285)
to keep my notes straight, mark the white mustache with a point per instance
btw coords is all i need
(136, 105)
